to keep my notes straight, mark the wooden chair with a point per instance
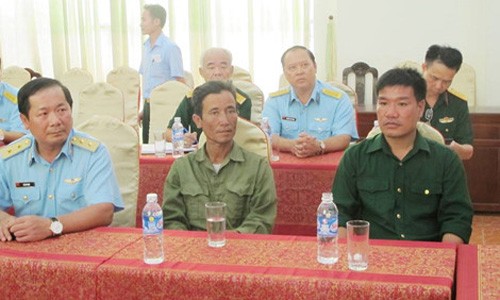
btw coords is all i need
(165, 99)
(122, 142)
(248, 136)
(360, 70)
(423, 128)
(127, 81)
(15, 76)
(100, 99)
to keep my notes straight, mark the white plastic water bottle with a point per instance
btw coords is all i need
(327, 216)
(152, 227)
(177, 138)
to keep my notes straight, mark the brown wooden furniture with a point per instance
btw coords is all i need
(483, 170)
(361, 71)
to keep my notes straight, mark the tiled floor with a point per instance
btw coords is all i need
(485, 229)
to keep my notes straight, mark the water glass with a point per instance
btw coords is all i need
(275, 147)
(160, 144)
(215, 213)
(358, 247)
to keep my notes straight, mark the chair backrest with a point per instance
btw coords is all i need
(15, 76)
(122, 142)
(100, 98)
(127, 80)
(76, 80)
(361, 72)
(165, 99)
(283, 82)
(256, 95)
(423, 128)
(241, 74)
(249, 136)
(188, 76)
(463, 82)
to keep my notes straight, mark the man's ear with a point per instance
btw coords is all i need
(197, 120)
(26, 121)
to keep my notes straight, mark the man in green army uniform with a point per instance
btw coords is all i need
(446, 109)
(216, 64)
(408, 187)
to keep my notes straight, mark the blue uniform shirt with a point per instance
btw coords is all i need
(81, 175)
(329, 112)
(9, 112)
(160, 63)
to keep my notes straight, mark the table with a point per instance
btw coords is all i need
(59, 268)
(299, 184)
(478, 272)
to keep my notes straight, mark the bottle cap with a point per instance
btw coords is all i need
(327, 197)
(152, 197)
(177, 119)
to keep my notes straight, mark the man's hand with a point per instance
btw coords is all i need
(31, 228)
(190, 138)
(5, 224)
(306, 146)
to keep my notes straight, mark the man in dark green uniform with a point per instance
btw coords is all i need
(446, 109)
(216, 64)
(408, 187)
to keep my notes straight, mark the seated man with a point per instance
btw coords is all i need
(11, 127)
(406, 186)
(57, 179)
(219, 171)
(311, 117)
(446, 110)
(216, 64)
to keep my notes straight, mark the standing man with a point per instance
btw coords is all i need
(311, 117)
(445, 109)
(57, 179)
(219, 171)
(161, 59)
(216, 64)
(11, 127)
(408, 187)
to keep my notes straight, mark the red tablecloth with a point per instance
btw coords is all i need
(299, 184)
(276, 267)
(478, 272)
(59, 268)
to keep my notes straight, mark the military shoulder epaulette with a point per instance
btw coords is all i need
(11, 97)
(240, 98)
(85, 143)
(280, 92)
(189, 94)
(457, 94)
(15, 148)
(332, 93)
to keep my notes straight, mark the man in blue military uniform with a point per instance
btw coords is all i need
(161, 59)
(445, 109)
(311, 117)
(58, 180)
(11, 127)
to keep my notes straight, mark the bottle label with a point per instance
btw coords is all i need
(327, 226)
(152, 223)
(178, 134)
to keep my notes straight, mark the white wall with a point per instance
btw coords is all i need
(385, 32)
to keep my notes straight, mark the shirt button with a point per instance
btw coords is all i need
(399, 190)
(398, 216)
(426, 192)
(402, 236)
(446, 130)
(25, 197)
(51, 196)
(400, 164)
(51, 170)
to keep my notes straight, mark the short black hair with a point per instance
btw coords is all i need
(405, 77)
(296, 47)
(210, 87)
(450, 57)
(157, 11)
(35, 85)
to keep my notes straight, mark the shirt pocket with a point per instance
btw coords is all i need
(237, 206)
(194, 199)
(27, 201)
(375, 195)
(290, 129)
(425, 197)
(320, 128)
(70, 198)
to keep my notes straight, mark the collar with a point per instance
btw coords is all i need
(160, 41)
(315, 94)
(236, 154)
(380, 143)
(66, 150)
